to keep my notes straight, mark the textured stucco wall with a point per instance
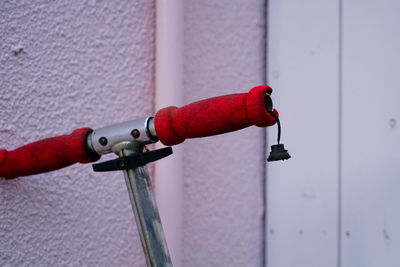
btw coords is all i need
(68, 64)
(224, 43)
(64, 65)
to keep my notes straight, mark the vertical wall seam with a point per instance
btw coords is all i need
(340, 107)
(169, 91)
(265, 143)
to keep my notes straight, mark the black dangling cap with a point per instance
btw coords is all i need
(278, 151)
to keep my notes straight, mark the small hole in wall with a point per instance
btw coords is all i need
(17, 49)
(271, 231)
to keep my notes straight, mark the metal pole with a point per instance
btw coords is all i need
(146, 214)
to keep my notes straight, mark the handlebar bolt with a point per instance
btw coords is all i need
(135, 133)
(103, 141)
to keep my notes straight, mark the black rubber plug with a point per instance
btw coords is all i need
(278, 152)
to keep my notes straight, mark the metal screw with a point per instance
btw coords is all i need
(392, 122)
(135, 133)
(103, 141)
(121, 164)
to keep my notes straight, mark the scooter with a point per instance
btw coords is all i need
(171, 126)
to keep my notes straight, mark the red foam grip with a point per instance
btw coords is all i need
(47, 155)
(214, 116)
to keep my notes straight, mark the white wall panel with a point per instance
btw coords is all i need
(302, 193)
(371, 140)
(335, 71)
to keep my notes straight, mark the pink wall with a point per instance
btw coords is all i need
(91, 63)
(84, 63)
(224, 43)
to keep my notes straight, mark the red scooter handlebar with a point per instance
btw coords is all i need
(47, 155)
(214, 116)
(172, 126)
